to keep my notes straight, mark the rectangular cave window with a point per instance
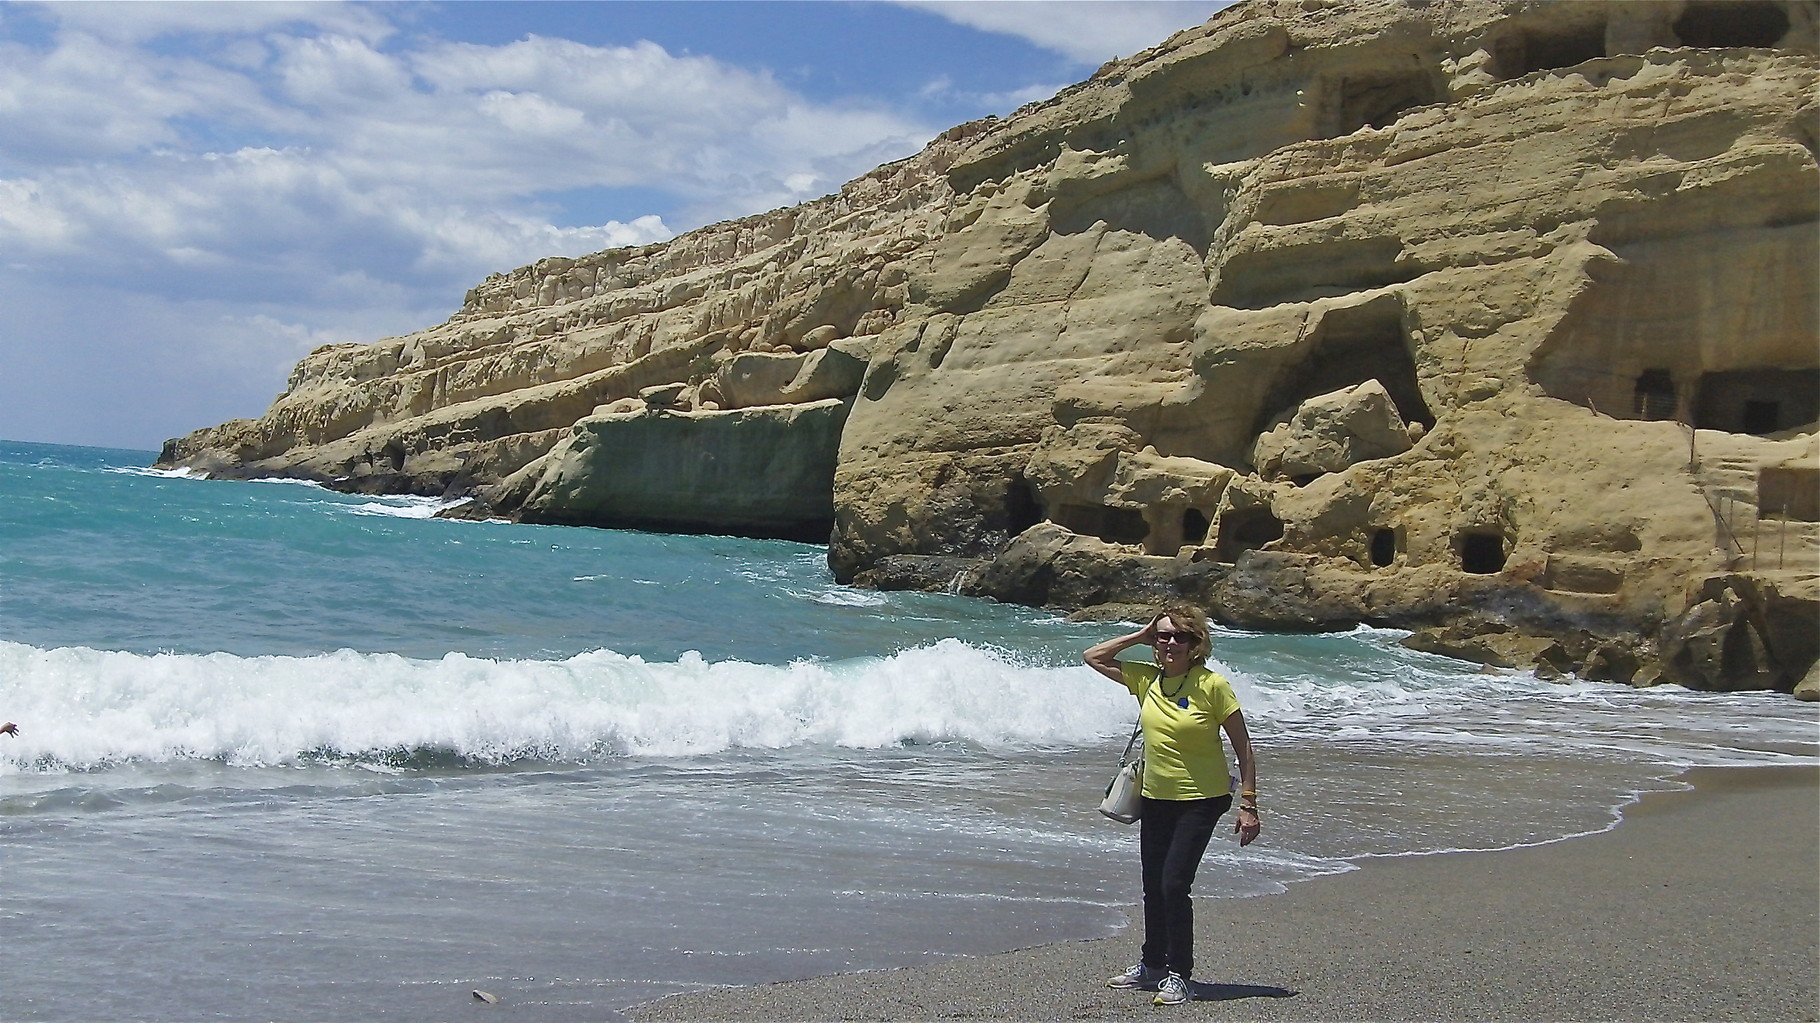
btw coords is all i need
(1654, 397)
(1757, 400)
(1789, 492)
(1383, 547)
(1706, 23)
(1246, 529)
(1481, 552)
(1762, 416)
(1113, 525)
(1376, 102)
(1524, 52)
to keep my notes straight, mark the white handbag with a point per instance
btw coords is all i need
(1124, 800)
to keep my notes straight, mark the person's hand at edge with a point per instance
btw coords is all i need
(1247, 829)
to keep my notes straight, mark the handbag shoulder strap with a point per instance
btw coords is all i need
(1136, 730)
(1137, 727)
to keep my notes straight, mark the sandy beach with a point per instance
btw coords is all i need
(1701, 905)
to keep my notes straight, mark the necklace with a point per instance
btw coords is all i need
(1176, 697)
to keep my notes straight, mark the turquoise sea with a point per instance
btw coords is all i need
(293, 754)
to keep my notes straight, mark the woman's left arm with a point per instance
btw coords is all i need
(1248, 826)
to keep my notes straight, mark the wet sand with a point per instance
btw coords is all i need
(1701, 905)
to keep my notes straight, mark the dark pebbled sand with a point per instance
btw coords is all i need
(1702, 905)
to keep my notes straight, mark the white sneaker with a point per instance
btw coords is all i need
(1138, 978)
(1172, 991)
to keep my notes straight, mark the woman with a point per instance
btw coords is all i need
(1183, 707)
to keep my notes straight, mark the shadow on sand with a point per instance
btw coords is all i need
(1208, 992)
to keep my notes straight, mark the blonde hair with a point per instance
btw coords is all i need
(1188, 618)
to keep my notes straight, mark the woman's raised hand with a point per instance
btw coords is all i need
(1148, 634)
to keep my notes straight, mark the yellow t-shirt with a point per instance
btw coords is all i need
(1184, 757)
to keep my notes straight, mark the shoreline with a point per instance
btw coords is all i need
(1700, 904)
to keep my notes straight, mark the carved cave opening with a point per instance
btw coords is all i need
(1641, 343)
(1653, 396)
(1383, 547)
(1246, 529)
(392, 456)
(1481, 551)
(1194, 527)
(1021, 507)
(1757, 401)
(1377, 101)
(1789, 492)
(1546, 49)
(1732, 23)
(1351, 346)
(1761, 416)
(1113, 525)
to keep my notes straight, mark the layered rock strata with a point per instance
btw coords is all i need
(1494, 320)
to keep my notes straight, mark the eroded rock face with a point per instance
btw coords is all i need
(1493, 319)
(763, 472)
(1745, 633)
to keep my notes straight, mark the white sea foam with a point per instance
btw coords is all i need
(404, 507)
(86, 708)
(1505, 714)
(290, 482)
(849, 598)
(182, 473)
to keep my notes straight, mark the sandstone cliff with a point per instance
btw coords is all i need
(1496, 320)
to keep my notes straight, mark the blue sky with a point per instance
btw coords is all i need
(194, 195)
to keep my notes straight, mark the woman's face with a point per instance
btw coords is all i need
(1174, 646)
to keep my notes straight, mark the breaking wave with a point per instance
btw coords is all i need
(88, 709)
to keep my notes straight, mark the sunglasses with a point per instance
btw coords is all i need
(1177, 637)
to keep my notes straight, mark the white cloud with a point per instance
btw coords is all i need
(1090, 31)
(91, 99)
(943, 88)
(531, 114)
(135, 21)
(577, 116)
(261, 344)
(455, 239)
(274, 225)
(383, 160)
(338, 72)
(201, 192)
(27, 219)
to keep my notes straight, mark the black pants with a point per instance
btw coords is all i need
(1172, 836)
